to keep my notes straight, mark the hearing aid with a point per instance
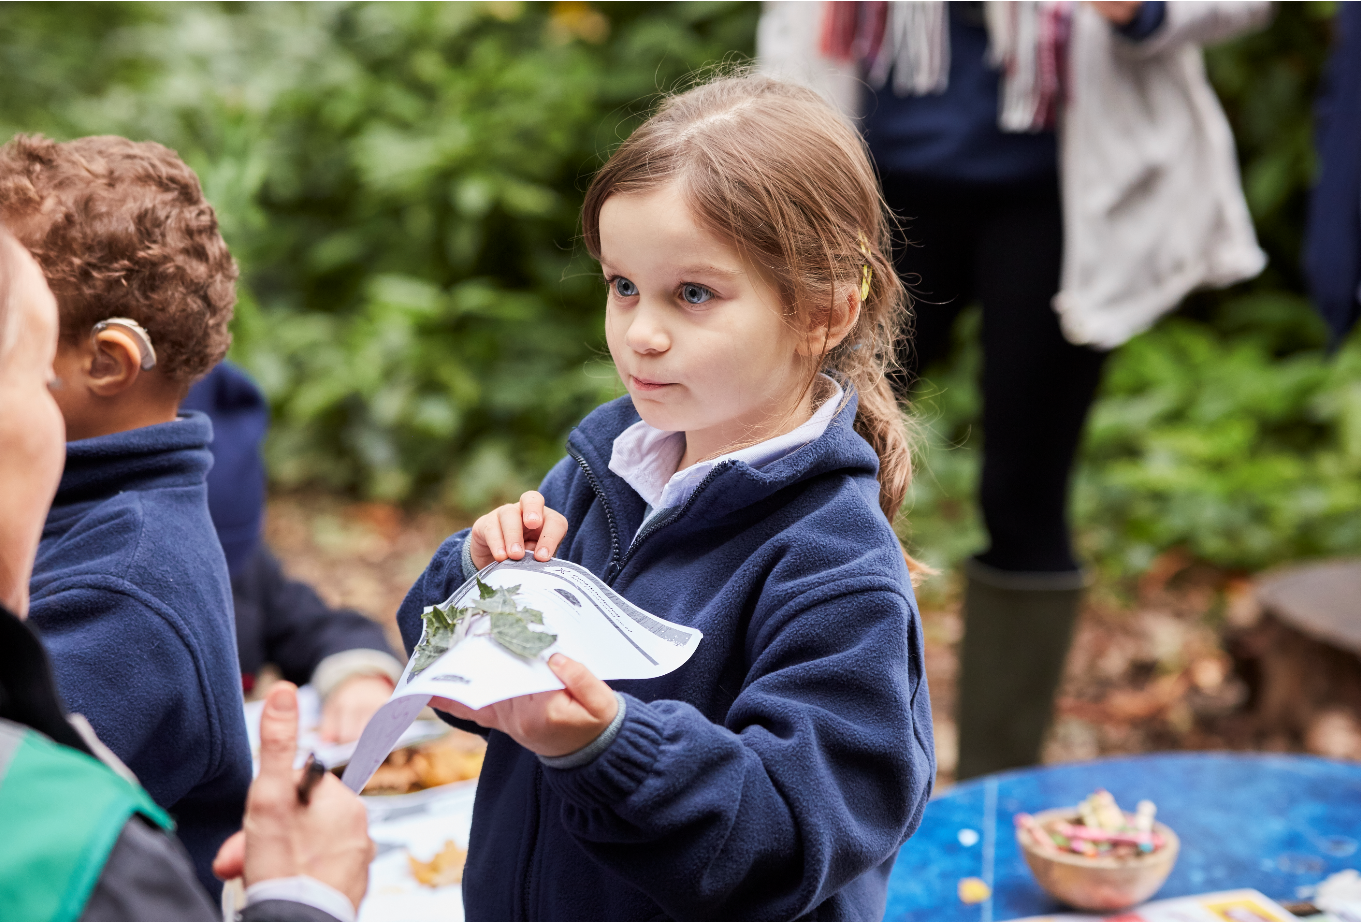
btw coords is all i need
(147, 352)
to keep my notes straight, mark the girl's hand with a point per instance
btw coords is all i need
(512, 529)
(553, 723)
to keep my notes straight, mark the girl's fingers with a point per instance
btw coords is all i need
(512, 530)
(487, 530)
(554, 528)
(592, 694)
(531, 509)
(483, 718)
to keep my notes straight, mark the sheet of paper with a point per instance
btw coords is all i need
(1228, 906)
(594, 624)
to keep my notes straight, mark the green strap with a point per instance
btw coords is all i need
(61, 812)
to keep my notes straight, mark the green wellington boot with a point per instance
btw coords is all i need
(1017, 629)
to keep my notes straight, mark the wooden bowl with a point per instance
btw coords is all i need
(1098, 884)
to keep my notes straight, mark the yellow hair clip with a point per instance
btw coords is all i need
(866, 274)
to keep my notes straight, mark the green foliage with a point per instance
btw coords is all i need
(401, 184)
(1226, 430)
(508, 624)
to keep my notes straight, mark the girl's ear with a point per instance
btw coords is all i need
(832, 326)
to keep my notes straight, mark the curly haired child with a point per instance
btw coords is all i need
(130, 590)
(745, 486)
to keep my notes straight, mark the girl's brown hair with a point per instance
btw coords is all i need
(771, 168)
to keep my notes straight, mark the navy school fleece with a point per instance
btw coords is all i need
(773, 776)
(130, 596)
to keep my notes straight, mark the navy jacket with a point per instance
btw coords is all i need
(278, 620)
(774, 775)
(130, 596)
(1332, 240)
(236, 482)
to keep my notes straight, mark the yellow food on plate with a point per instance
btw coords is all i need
(442, 870)
(456, 756)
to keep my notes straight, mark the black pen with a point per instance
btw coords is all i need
(312, 772)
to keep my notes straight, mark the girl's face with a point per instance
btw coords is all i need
(697, 337)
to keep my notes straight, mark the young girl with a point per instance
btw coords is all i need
(745, 486)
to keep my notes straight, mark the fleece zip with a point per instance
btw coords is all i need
(131, 597)
(775, 775)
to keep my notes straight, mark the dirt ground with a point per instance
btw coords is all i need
(1152, 669)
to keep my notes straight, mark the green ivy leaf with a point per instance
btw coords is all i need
(509, 626)
(434, 644)
(511, 632)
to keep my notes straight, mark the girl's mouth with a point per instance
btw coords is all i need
(643, 384)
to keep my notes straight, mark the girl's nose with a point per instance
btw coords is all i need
(647, 333)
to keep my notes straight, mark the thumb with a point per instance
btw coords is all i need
(594, 695)
(231, 858)
(279, 732)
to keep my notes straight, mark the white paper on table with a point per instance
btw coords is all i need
(332, 755)
(595, 625)
(417, 826)
(1235, 905)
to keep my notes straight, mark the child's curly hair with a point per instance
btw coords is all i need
(121, 229)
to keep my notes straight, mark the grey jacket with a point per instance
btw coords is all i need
(147, 876)
(1152, 203)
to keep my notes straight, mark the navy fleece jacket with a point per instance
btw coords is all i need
(131, 598)
(773, 776)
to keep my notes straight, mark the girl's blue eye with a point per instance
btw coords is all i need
(695, 294)
(624, 288)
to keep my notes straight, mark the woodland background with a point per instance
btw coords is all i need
(400, 183)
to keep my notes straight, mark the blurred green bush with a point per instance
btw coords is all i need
(400, 183)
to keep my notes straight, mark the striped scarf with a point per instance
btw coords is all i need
(910, 42)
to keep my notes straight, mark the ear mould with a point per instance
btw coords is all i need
(148, 352)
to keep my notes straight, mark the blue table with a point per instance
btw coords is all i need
(1274, 822)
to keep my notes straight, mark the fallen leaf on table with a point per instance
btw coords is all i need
(442, 870)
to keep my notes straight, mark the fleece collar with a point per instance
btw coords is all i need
(733, 484)
(647, 458)
(164, 455)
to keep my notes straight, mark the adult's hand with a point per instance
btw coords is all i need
(326, 839)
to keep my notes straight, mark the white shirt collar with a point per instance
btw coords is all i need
(646, 458)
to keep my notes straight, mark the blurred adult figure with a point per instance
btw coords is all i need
(1068, 166)
(82, 840)
(1332, 245)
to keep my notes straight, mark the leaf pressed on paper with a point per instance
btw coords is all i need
(509, 626)
(433, 645)
(511, 631)
(440, 622)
